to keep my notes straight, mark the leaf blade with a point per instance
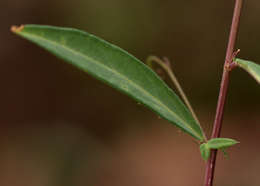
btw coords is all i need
(252, 68)
(115, 67)
(221, 143)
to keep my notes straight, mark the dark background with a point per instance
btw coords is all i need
(61, 127)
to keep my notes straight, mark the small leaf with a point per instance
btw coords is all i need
(216, 143)
(205, 151)
(115, 67)
(252, 68)
(220, 143)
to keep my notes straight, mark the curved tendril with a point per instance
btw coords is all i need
(165, 64)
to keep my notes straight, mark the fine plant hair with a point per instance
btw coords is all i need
(124, 72)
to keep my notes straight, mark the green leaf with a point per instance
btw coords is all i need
(205, 151)
(216, 143)
(115, 67)
(221, 143)
(252, 68)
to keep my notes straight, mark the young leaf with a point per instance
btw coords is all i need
(221, 143)
(216, 143)
(115, 67)
(252, 68)
(205, 151)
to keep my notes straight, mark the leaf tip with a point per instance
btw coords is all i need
(16, 29)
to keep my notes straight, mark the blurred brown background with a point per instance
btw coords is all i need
(61, 127)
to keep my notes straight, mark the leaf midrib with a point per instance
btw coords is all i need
(115, 72)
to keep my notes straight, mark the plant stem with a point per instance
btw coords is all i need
(209, 175)
(166, 65)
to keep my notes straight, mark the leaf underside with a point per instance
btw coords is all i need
(115, 67)
(252, 68)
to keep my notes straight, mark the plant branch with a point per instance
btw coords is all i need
(166, 65)
(210, 167)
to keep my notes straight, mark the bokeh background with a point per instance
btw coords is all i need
(61, 127)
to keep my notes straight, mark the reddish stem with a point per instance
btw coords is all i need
(210, 167)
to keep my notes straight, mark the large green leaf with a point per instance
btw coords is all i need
(252, 68)
(115, 67)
